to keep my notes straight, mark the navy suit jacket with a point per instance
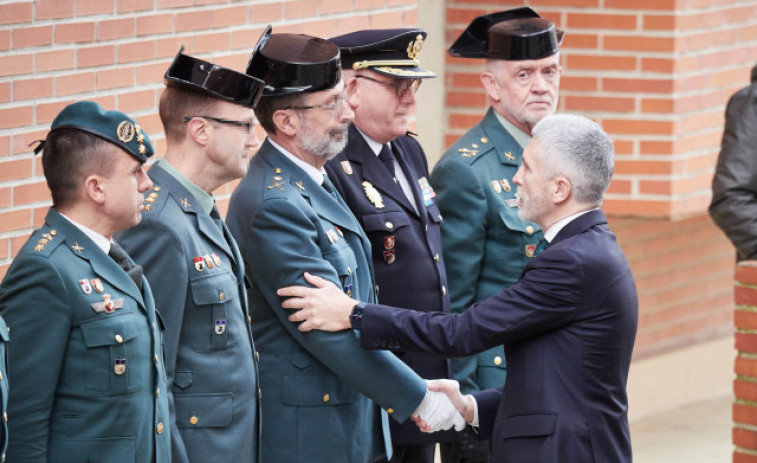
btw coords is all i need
(406, 245)
(568, 326)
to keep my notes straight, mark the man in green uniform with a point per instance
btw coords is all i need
(86, 358)
(485, 244)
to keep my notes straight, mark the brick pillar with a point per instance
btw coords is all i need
(745, 383)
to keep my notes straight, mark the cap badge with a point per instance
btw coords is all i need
(414, 48)
(125, 131)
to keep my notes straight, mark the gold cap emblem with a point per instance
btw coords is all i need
(125, 131)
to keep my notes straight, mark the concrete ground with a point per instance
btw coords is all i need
(699, 432)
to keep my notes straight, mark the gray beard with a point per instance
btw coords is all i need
(326, 148)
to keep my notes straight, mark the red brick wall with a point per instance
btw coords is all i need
(745, 384)
(54, 52)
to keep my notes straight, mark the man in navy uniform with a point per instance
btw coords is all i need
(286, 216)
(194, 264)
(383, 177)
(485, 244)
(87, 351)
(568, 324)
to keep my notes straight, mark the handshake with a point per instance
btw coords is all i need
(443, 407)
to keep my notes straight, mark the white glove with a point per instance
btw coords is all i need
(438, 412)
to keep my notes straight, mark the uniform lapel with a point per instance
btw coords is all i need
(84, 248)
(508, 149)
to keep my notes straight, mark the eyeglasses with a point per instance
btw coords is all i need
(400, 89)
(247, 125)
(336, 105)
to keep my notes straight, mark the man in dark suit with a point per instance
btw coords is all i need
(86, 361)
(318, 389)
(195, 266)
(568, 324)
(383, 177)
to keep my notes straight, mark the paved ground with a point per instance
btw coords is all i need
(696, 433)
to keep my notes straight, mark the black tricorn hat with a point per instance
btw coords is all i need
(517, 34)
(294, 63)
(210, 79)
(392, 52)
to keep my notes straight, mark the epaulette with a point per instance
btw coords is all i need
(473, 148)
(151, 199)
(276, 184)
(46, 241)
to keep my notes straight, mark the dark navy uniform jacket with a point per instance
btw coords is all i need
(88, 384)
(316, 386)
(568, 326)
(197, 274)
(406, 245)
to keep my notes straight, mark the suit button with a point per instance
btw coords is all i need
(436, 257)
(444, 290)
(530, 230)
(193, 420)
(326, 398)
(498, 360)
(119, 339)
(390, 410)
(376, 343)
(159, 428)
(376, 290)
(389, 225)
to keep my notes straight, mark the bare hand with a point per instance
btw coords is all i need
(463, 403)
(323, 307)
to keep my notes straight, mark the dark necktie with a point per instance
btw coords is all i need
(133, 270)
(216, 216)
(387, 158)
(329, 187)
(541, 246)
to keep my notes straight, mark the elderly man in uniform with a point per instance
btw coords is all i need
(383, 177)
(286, 217)
(87, 352)
(193, 262)
(485, 244)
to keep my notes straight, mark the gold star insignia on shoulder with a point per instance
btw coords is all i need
(39, 247)
(277, 170)
(484, 140)
(156, 188)
(77, 248)
(509, 156)
(184, 202)
(53, 232)
(300, 186)
(276, 185)
(148, 208)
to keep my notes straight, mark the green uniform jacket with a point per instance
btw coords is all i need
(316, 386)
(88, 381)
(198, 276)
(485, 244)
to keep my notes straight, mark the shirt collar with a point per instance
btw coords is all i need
(550, 234)
(372, 144)
(205, 199)
(102, 242)
(520, 136)
(316, 174)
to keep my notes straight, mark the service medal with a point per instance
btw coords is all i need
(85, 286)
(97, 285)
(220, 326)
(119, 366)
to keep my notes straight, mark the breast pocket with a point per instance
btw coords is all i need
(208, 319)
(344, 263)
(115, 350)
(515, 229)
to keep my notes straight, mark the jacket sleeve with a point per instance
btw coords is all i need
(463, 205)
(35, 304)
(284, 242)
(158, 249)
(734, 186)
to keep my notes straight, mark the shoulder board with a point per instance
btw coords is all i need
(276, 184)
(153, 199)
(44, 241)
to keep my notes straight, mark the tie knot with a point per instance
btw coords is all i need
(386, 153)
(116, 253)
(327, 185)
(214, 214)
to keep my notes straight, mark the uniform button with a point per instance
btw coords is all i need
(5, 416)
(153, 326)
(444, 290)
(530, 230)
(159, 428)
(119, 339)
(436, 257)
(1, 375)
(193, 420)
(426, 227)
(260, 393)
(390, 410)
(222, 296)
(3, 459)
(257, 356)
(156, 359)
(326, 398)
(157, 393)
(376, 290)
(498, 360)
(349, 271)
(389, 225)
(249, 319)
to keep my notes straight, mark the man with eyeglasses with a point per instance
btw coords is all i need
(194, 265)
(383, 177)
(486, 245)
(318, 389)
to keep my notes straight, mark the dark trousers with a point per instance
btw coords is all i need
(413, 453)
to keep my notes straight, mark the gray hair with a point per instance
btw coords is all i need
(580, 150)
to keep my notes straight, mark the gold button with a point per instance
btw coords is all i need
(222, 296)
(436, 257)
(376, 290)
(156, 359)
(153, 326)
(326, 398)
(444, 290)
(5, 416)
(1, 375)
(193, 420)
(160, 428)
(389, 225)
(530, 230)
(157, 393)
(349, 271)
(257, 356)
(260, 393)
(249, 319)
(498, 360)
(426, 227)
(390, 410)
(119, 339)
